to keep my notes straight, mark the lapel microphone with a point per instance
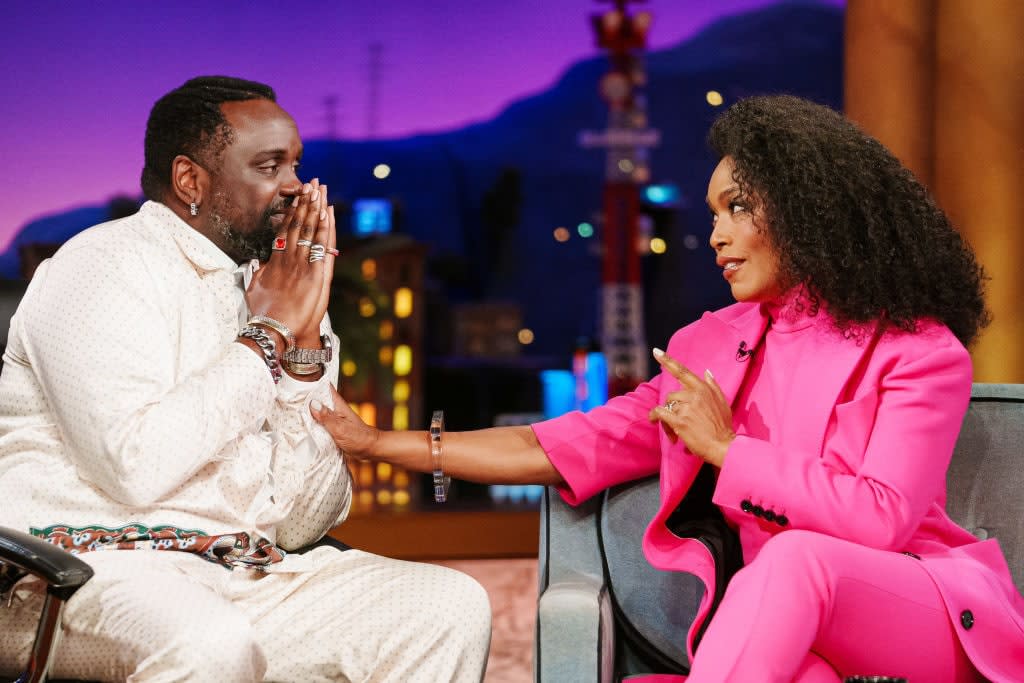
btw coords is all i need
(743, 354)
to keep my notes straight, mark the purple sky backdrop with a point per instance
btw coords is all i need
(79, 79)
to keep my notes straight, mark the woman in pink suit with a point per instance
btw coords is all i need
(825, 405)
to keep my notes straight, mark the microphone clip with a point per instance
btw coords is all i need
(743, 354)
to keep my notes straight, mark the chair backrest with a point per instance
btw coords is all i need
(985, 479)
(657, 606)
(986, 476)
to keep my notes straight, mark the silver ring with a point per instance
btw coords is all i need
(303, 243)
(670, 406)
(316, 253)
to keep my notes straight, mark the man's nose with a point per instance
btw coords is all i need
(290, 185)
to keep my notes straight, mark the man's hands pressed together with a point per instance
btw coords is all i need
(290, 287)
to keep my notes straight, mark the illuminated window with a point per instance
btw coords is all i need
(383, 471)
(403, 302)
(384, 497)
(401, 478)
(369, 267)
(366, 498)
(366, 474)
(387, 329)
(401, 498)
(385, 355)
(403, 360)
(366, 307)
(400, 417)
(400, 392)
(368, 413)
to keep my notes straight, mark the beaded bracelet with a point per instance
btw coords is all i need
(441, 480)
(267, 345)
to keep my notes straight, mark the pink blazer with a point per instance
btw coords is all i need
(873, 432)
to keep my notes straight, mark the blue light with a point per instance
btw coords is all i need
(661, 194)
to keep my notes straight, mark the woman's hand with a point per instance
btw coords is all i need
(353, 437)
(698, 413)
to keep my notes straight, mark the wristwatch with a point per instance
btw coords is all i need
(309, 356)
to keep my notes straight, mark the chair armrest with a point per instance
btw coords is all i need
(574, 639)
(569, 541)
(63, 572)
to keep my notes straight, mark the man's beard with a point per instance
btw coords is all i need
(244, 246)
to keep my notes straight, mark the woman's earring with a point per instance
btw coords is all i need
(193, 209)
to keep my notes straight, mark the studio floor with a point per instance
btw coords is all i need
(511, 585)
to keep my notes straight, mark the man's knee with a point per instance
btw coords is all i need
(227, 646)
(458, 611)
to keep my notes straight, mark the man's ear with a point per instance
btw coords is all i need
(189, 181)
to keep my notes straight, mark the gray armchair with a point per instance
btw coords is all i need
(604, 613)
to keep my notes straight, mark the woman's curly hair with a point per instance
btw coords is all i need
(847, 220)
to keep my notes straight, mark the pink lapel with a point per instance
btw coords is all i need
(713, 348)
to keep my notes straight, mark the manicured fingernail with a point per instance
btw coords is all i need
(315, 196)
(316, 405)
(323, 214)
(658, 353)
(306, 187)
(708, 375)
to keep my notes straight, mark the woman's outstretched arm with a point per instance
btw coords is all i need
(510, 455)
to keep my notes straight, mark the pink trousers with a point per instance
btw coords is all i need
(815, 609)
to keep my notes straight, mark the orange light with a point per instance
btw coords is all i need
(561, 234)
(368, 413)
(384, 355)
(383, 471)
(384, 497)
(387, 329)
(366, 307)
(369, 267)
(401, 498)
(348, 368)
(366, 474)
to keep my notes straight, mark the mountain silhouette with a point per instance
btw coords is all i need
(440, 179)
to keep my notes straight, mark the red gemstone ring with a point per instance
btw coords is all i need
(332, 251)
(279, 244)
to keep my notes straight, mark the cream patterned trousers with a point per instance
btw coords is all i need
(326, 615)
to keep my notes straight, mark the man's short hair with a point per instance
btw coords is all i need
(189, 121)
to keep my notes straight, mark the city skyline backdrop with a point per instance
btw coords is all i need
(80, 80)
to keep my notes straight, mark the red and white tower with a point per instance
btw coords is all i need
(627, 139)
